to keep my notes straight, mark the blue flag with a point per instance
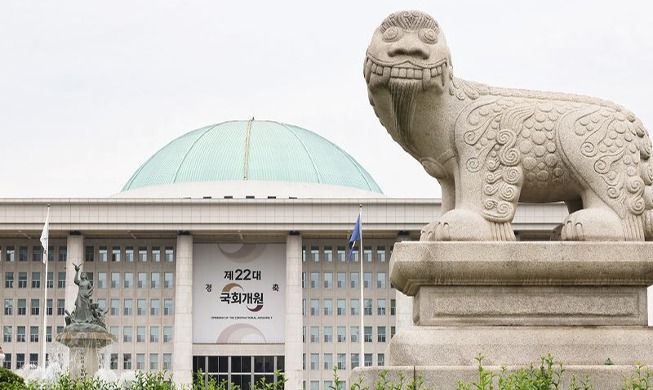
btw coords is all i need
(355, 236)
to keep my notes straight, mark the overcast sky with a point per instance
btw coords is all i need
(89, 90)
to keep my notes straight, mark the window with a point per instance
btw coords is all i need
(154, 334)
(129, 257)
(167, 361)
(304, 307)
(127, 361)
(341, 309)
(367, 279)
(103, 254)
(61, 308)
(115, 331)
(9, 280)
(393, 307)
(63, 253)
(140, 307)
(155, 307)
(7, 362)
(328, 255)
(315, 385)
(114, 307)
(354, 279)
(341, 279)
(36, 253)
(380, 254)
(341, 254)
(168, 281)
(9, 306)
(142, 254)
(315, 334)
(142, 277)
(140, 334)
(113, 362)
(128, 310)
(61, 279)
(167, 307)
(115, 280)
(36, 280)
(20, 360)
(48, 334)
(354, 334)
(355, 308)
(102, 304)
(328, 362)
(367, 254)
(315, 307)
(367, 307)
(328, 280)
(342, 334)
(341, 359)
(303, 279)
(6, 334)
(115, 254)
(89, 253)
(34, 307)
(34, 334)
(315, 279)
(304, 253)
(22, 307)
(156, 280)
(354, 360)
(156, 254)
(380, 280)
(315, 361)
(22, 280)
(20, 334)
(129, 280)
(10, 255)
(368, 334)
(328, 334)
(392, 331)
(170, 257)
(50, 280)
(34, 359)
(127, 334)
(22, 253)
(315, 254)
(328, 307)
(380, 307)
(167, 334)
(140, 361)
(380, 334)
(368, 360)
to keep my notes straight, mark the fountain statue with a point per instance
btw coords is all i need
(85, 332)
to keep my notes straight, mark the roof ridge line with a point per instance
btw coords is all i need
(174, 178)
(310, 157)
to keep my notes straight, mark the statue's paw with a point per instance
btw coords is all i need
(458, 225)
(594, 224)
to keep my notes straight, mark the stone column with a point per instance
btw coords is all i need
(294, 320)
(75, 256)
(182, 358)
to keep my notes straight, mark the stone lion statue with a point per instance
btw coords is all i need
(492, 147)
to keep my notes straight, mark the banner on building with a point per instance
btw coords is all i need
(239, 293)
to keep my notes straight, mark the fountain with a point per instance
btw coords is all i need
(85, 332)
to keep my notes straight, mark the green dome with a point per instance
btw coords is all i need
(252, 151)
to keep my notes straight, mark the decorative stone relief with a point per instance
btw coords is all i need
(492, 147)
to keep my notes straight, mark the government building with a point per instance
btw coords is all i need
(225, 252)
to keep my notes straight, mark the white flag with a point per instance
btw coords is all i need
(45, 236)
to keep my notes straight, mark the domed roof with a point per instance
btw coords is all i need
(252, 151)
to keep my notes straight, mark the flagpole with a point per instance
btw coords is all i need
(362, 312)
(45, 239)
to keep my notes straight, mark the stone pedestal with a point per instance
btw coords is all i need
(84, 348)
(515, 302)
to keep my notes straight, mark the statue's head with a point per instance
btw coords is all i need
(408, 48)
(83, 276)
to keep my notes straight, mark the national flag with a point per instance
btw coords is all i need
(355, 236)
(45, 236)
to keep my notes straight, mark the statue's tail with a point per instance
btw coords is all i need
(646, 173)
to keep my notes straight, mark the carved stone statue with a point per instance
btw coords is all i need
(492, 147)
